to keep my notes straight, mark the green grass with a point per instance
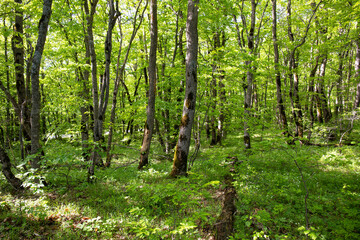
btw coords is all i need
(124, 203)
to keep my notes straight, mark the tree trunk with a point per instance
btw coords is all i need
(357, 73)
(183, 144)
(119, 78)
(95, 155)
(311, 91)
(150, 110)
(6, 169)
(105, 87)
(19, 63)
(8, 103)
(222, 115)
(213, 92)
(282, 115)
(324, 114)
(36, 97)
(339, 85)
(249, 77)
(293, 68)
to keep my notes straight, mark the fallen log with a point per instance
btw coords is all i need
(224, 225)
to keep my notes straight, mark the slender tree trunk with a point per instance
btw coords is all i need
(19, 63)
(213, 92)
(357, 73)
(95, 155)
(311, 91)
(280, 104)
(338, 105)
(249, 76)
(8, 103)
(293, 68)
(324, 114)
(150, 110)
(35, 93)
(120, 78)
(105, 90)
(6, 169)
(183, 144)
(221, 122)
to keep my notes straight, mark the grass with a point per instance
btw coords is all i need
(124, 203)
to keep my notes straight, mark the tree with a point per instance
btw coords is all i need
(280, 104)
(35, 70)
(253, 41)
(120, 70)
(6, 169)
(150, 110)
(90, 46)
(182, 148)
(357, 72)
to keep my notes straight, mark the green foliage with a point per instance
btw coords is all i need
(272, 193)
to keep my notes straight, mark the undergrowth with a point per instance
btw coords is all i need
(273, 183)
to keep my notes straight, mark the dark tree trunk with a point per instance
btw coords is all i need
(8, 103)
(339, 85)
(6, 169)
(293, 68)
(249, 76)
(105, 86)
(95, 155)
(311, 91)
(150, 110)
(35, 93)
(324, 113)
(183, 144)
(213, 92)
(19, 63)
(280, 103)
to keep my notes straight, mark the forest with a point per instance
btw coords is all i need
(188, 119)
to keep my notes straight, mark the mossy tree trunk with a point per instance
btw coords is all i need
(187, 119)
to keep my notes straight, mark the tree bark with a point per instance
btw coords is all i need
(95, 155)
(357, 73)
(8, 104)
(183, 144)
(6, 170)
(339, 84)
(293, 67)
(323, 112)
(249, 76)
(119, 78)
(280, 103)
(150, 110)
(19, 63)
(36, 97)
(104, 96)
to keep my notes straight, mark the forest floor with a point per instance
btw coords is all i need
(283, 192)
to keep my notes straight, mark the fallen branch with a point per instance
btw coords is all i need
(224, 225)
